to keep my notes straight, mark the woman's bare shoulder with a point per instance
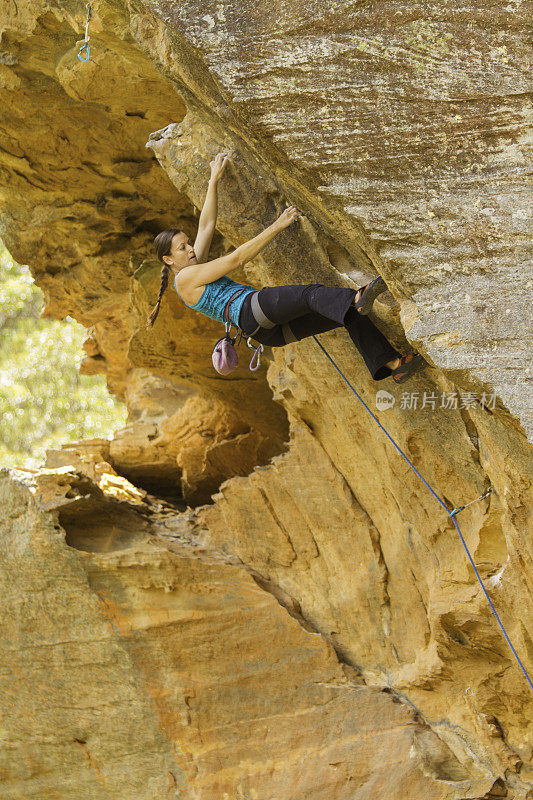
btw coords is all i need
(183, 283)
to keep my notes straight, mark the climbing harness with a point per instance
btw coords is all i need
(451, 514)
(461, 508)
(85, 46)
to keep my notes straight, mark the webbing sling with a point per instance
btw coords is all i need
(264, 322)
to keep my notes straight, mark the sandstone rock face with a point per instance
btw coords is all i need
(247, 593)
(145, 663)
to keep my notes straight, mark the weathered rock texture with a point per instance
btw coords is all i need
(246, 593)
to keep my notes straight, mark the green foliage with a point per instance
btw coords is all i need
(44, 401)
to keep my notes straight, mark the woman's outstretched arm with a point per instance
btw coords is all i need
(208, 217)
(198, 274)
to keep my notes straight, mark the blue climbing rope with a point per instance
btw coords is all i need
(451, 514)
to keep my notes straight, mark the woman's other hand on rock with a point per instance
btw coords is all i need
(289, 215)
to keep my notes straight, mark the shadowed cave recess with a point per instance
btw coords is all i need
(246, 593)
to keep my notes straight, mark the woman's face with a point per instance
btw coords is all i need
(181, 253)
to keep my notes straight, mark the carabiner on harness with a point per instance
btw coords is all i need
(238, 336)
(258, 350)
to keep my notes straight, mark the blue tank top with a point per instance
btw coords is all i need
(215, 296)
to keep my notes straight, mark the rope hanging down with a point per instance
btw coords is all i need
(85, 46)
(451, 514)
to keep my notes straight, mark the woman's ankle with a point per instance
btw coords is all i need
(393, 364)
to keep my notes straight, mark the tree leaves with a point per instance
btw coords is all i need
(44, 401)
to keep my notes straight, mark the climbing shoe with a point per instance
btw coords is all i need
(408, 366)
(368, 294)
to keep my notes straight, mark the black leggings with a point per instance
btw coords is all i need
(278, 315)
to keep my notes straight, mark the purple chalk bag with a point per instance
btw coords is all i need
(225, 357)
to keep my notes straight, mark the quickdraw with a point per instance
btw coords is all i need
(461, 508)
(258, 350)
(85, 45)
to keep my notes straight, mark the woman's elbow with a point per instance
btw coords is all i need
(238, 258)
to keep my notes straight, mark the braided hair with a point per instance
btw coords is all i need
(162, 244)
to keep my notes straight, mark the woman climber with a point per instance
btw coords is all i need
(275, 315)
